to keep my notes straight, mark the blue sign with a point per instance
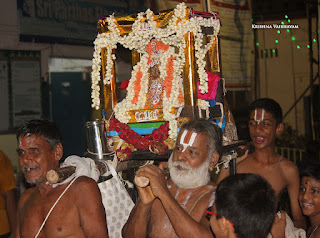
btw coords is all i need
(68, 21)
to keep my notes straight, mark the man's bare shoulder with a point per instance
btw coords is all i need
(247, 162)
(85, 181)
(207, 195)
(287, 165)
(211, 188)
(26, 195)
(288, 168)
(83, 185)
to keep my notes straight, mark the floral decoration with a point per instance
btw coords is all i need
(213, 80)
(136, 141)
(172, 43)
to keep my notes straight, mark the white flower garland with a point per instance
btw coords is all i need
(142, 33)
(172, 100)
(203, 104)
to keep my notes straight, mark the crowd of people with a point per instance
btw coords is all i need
(187, 204)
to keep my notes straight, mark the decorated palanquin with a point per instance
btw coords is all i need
(175, 59)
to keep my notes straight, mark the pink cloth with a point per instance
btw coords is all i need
(213, 80)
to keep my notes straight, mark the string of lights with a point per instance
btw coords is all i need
(290, 30)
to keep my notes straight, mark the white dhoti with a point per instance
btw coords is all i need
(291, 231)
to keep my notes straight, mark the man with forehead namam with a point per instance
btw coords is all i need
(78, 213)
(176, 207)
(265, 123)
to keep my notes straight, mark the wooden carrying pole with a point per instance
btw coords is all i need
(58, 175)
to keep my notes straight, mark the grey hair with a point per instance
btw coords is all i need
(213, 132)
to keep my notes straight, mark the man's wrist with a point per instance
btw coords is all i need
(145, 205)
(165, 196)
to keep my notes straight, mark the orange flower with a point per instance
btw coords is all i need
(137, 86)
(180, 97)
(168, 79)
(159, 46)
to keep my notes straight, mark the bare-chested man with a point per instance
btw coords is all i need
(176, 207)
(265, 124)
(79, 213)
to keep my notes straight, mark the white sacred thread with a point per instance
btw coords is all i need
(44, 222)
(190, 143)
(255, 116)
(313, 231)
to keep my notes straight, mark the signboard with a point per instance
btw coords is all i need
(68, 21)
(25, 91)
(197, 5)
(236, 42)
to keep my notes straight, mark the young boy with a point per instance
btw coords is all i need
(265, 123)
(245, 207)
(309, 196)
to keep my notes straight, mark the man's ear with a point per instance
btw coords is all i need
(58, 152)
(227, 227)
(214, 160)
(222, 225)
(279, 129)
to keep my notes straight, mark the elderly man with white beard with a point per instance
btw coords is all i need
(176, 207)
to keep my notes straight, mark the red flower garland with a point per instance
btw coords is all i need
(138, 141)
